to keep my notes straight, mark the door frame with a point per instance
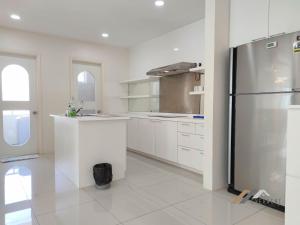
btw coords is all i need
(87, 62)
(38, 87)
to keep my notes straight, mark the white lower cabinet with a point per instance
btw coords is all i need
(146, 136)
(191, 140)
(177, 142)
(133, 133)
(190, 157)
(292, 216)
(166, 140)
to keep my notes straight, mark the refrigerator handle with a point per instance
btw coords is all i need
(231, 118)
(229, 140)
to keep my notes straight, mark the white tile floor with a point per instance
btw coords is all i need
(33, 192)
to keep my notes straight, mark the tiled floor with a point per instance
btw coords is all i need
(33, 192)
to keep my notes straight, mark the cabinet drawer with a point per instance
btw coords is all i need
(186, 127)
(191, 141)
(200, 128)
(190, 158)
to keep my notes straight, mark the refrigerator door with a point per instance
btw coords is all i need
(260, 143)
(267, 65)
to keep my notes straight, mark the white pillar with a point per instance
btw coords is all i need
(216, 87)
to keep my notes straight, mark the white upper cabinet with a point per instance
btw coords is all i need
(248, 21)
(284, 16)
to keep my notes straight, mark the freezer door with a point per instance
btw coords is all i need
(260, 143)
(267, 66)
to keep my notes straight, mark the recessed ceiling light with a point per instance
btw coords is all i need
(175, 49)
(105, 35)
(15, 17)
(159, 3)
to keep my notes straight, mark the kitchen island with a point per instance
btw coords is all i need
(82, 142)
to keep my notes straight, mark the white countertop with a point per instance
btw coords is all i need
(94, 118)
(188, 118)
(294, 107)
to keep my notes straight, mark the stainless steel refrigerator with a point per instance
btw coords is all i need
(265, 80)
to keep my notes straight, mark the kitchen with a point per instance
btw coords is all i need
(162, 94)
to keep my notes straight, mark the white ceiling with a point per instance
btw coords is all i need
(128, 22)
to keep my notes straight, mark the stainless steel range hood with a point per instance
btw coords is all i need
(174, 69)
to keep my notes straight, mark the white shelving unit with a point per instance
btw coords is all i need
(134, 81)
(198, 70)
(139, 96)
(196, 93)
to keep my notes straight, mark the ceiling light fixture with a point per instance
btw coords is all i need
(105, 35)
(159, 3)
(175, 49)
(15, 17)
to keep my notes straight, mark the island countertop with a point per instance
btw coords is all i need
(100, 117)
(82, 142)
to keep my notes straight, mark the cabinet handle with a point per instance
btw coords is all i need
(259, 39)
(186, 135)
(186, 124)
(156, 121)
(186, 149)
(275, 35)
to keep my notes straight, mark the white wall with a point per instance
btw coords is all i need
(216, 92)
(56, 54)
(159, 51)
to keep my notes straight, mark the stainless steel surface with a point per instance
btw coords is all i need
(267, 82)
(174, 94)
(174, 69)
(260, 69)
(260, 143)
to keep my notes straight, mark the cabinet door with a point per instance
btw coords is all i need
(292, 215)
(284, 16)
(248, 21)
(132, 133)
(166, 140)
(190, 158)
(146, 136)
(293, 142)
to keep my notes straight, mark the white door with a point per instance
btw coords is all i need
(87, 87)
(18, 115)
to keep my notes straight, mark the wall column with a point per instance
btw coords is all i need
(216, 92)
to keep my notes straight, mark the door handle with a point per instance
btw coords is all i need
(275, 35)
(34, 112)
(186, 149)
(259, 39)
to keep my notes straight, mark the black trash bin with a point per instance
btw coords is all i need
(103, 175)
